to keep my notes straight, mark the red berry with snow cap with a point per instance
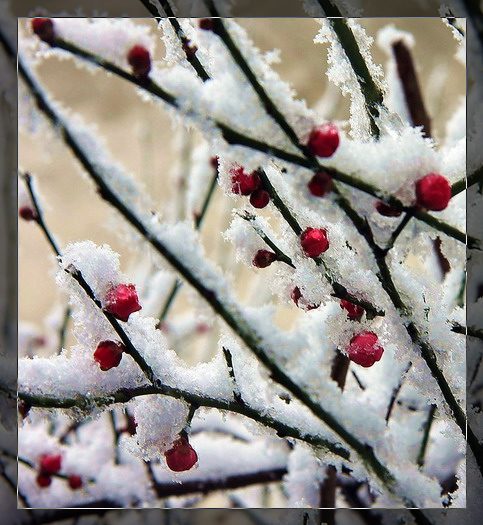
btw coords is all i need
(259, 199)
(108, 354)
(314, 241)
(354, 311)
(44, 29)
(320, 184)
(74, 481)
(243, 183)
(300, 301)
(263, 258)
(324, 140)
(43, 480)
(50, 463)
(181, 456)
(386, 210)
(27, 213)
(364, 349)
(121, 301)
(139, 59)
(433, 192)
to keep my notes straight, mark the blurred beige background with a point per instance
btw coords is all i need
(141, 136)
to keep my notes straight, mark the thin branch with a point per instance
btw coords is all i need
(396, 391)
(115, 434)
(427, 429)
(229, 363)
(472, 331)
(461, 185)
(63, 329)
(410, 87)
(398, 230)
(224, 483)
(39, 217)
(358, 381)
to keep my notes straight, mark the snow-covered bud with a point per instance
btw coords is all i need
(324, 140)
(243, 183)
(139, 59)
(354, 311)
(74, 481)
(320, 184)
(181, 456)
(433, 192)
(44, 29)
(386, 210)
(314, 241)
(50, 463)
(364, 349)
(121, 301)
(108, 354)
(263, 258)
(259, 199)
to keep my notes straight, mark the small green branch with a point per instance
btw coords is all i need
(461, 185)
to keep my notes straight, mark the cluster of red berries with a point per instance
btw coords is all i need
(49, 465)
(121, 301)
(181, 456)
(243, 183)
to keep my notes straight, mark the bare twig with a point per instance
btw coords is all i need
(426, 430)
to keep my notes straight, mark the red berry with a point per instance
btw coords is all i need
(215, 162)
(50, 463)
(354, 311)
(74, 481)
(44, 29)
(121, 301)
(108, 354)
(140, 61)
(43, 480)
(433, 192)
(243, 183)
(259, 199)
(320, 184)
(207, 24)
(300, 301)
(386, 210)
(324, 140)
(314, 241)
(263, 258)
(364, 349)
(181, 456)
(27, 213)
